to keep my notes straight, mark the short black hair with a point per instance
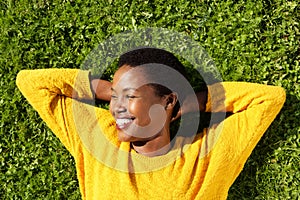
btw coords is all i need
(148, 55)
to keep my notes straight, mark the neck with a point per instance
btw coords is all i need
(157, 146)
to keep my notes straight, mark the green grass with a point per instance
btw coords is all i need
(255, 42)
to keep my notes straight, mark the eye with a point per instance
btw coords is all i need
(114, 96)
(130, 96)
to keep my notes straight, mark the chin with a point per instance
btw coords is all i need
(123, 137)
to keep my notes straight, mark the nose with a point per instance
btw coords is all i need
(120, 109)
(118, 105)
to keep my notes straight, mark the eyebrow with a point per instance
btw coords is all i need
(124, 90)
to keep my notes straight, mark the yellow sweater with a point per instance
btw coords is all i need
(109, 169)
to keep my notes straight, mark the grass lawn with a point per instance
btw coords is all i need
(253, 41)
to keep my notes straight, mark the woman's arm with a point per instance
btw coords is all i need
(50, 83)
(53, 92)
(253, 107)
(230, 142)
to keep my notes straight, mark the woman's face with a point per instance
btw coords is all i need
(139, 113)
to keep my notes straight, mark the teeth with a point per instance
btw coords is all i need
(123, 121)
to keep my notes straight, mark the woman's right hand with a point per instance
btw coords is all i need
(101, 89)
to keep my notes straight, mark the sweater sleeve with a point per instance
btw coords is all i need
(51, 93)
(253, 107)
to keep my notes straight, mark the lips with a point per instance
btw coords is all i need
(123, 123)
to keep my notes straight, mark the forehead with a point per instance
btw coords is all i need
(131, 77)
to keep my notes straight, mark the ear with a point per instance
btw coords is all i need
(170, 100)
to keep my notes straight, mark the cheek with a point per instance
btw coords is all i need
(135, 108)
(140, 111)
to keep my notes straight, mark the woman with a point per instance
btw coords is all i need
(128, 152)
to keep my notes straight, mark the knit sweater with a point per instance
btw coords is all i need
(110, 169)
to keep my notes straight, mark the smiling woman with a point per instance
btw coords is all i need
(141, 101)
(136, 157)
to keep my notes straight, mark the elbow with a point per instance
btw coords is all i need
(21, 78)
(278, 97)
(24, 82)
(281, 96)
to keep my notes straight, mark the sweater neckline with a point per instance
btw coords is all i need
(142, 163)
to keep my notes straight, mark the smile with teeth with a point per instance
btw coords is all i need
(123, 123)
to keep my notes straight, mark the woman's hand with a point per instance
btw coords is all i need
(101, 89)
(190, 106)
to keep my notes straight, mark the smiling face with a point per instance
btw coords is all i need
(139, 112)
